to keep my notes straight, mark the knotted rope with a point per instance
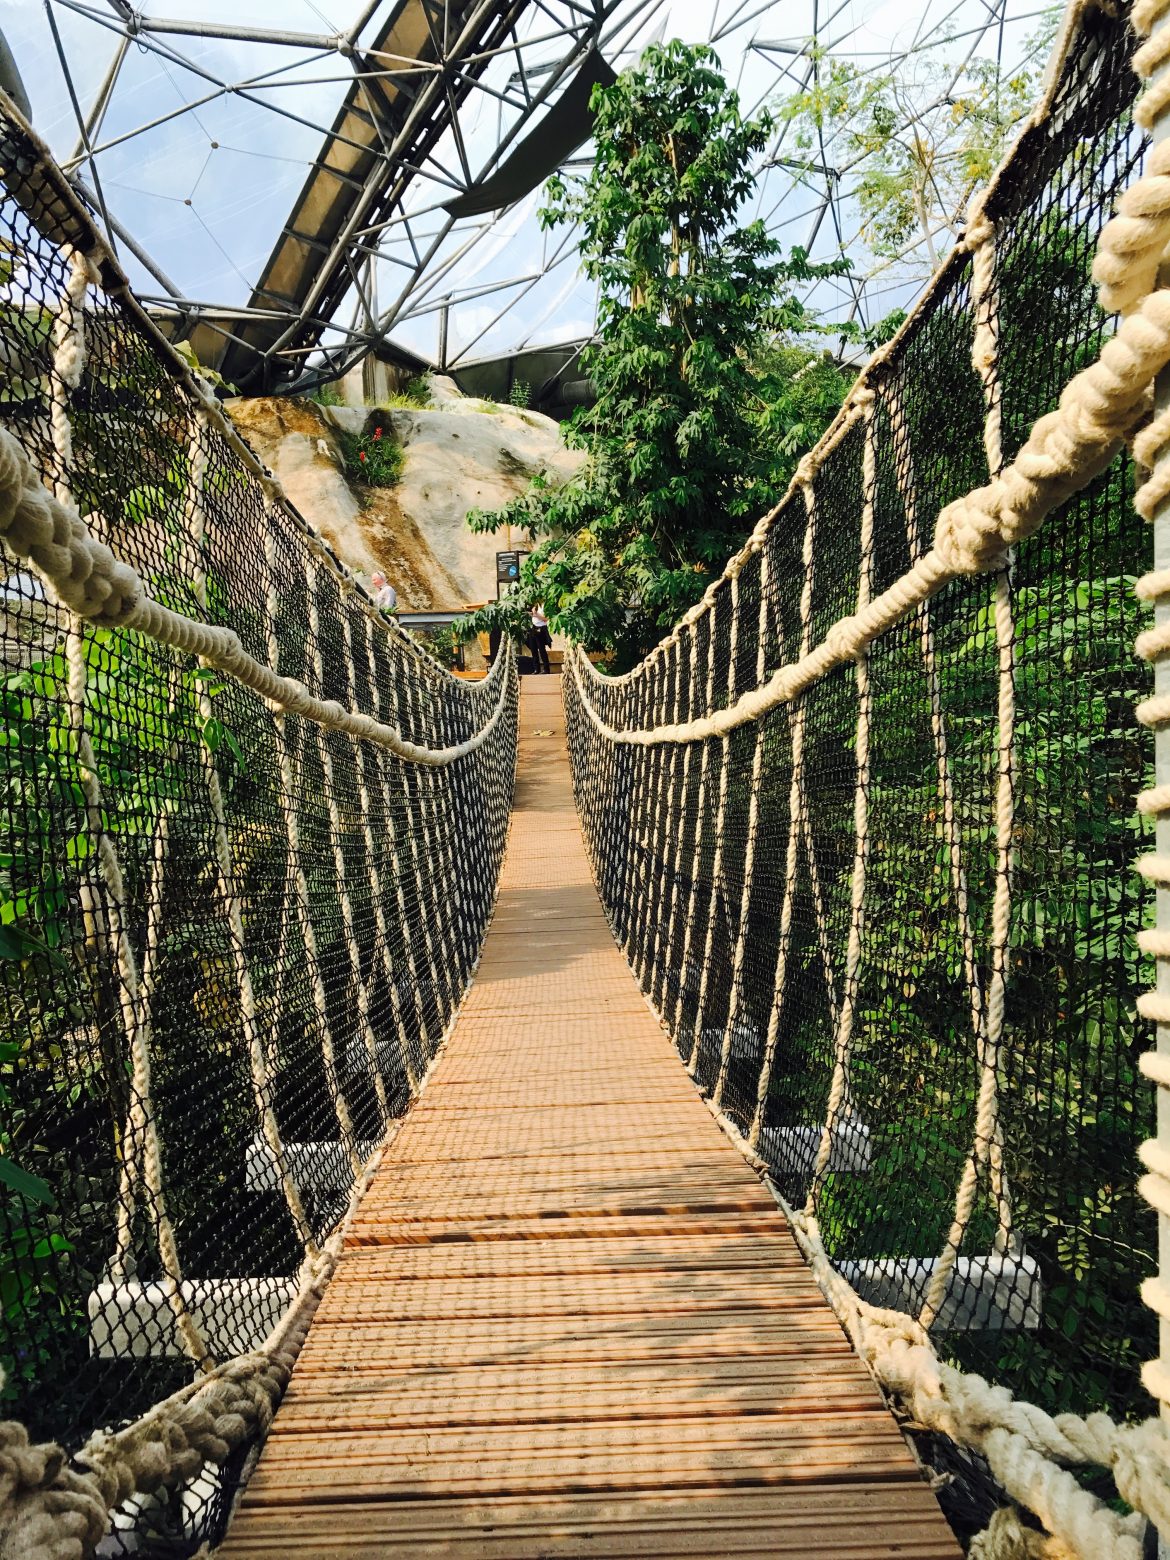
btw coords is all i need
(85, 577)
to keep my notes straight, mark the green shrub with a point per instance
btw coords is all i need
(415, 394)
(372, 459)
(326, 395)
(520, 395)
(444, 644)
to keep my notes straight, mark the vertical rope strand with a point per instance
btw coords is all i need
(638, 787)
(907, 487)
(377, 896)
(361, 997)
(141, 1148)
(657, 941)
(290, 782)
(190, 1335)
(446, 785)
(653, 884)
(720, 830)
(840, 1094)
(796, 726)
(345, 898)
(676, 864)
(429, 888)
(753, 831)
(258, 1060)
(398, 879)
(697, 856)
(987, 1149)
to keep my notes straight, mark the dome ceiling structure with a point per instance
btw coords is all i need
(290, 184)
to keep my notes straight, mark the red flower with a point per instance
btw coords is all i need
(377, 433)
(361, 454)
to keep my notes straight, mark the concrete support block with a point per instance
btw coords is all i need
(135, 1321)
(985, 1294)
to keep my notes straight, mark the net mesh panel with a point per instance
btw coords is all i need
(709, 940)
(326, 993)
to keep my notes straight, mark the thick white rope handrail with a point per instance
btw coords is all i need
(54, 1511)
(1100, 407)
(107, 271)
(84, 576)
(852, 408)
(1024, 1446)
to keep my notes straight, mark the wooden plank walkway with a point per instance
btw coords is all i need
(569, 1321)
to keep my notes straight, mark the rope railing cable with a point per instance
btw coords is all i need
(921, 1048)
(242, 913)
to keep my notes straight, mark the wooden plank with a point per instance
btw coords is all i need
(568, 1320)
(866, 1521)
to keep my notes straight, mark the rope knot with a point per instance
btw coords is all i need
(968, 536)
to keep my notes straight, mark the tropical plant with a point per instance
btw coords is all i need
(326, 395)
(687, 442)
(372, 458)
(911, 147)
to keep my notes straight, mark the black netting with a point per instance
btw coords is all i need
(297, 913)
(739, 930)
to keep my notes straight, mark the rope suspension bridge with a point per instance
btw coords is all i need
(335, 1222)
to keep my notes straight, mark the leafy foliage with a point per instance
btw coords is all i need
(187, 352)
(326, 395)
(691, 436)
(372, 459)
(143, 720)
(415, 392)
(915, 144)
(444, 643)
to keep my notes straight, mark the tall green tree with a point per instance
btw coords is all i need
(690, 438)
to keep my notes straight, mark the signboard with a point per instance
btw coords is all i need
(508, 568)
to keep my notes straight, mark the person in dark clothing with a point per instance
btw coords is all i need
(539, 639)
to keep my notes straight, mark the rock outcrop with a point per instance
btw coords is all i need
(459, 454)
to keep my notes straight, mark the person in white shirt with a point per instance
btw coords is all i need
(539, 639)
(385, 596)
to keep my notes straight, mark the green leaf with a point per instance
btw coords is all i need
(24, 1183)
